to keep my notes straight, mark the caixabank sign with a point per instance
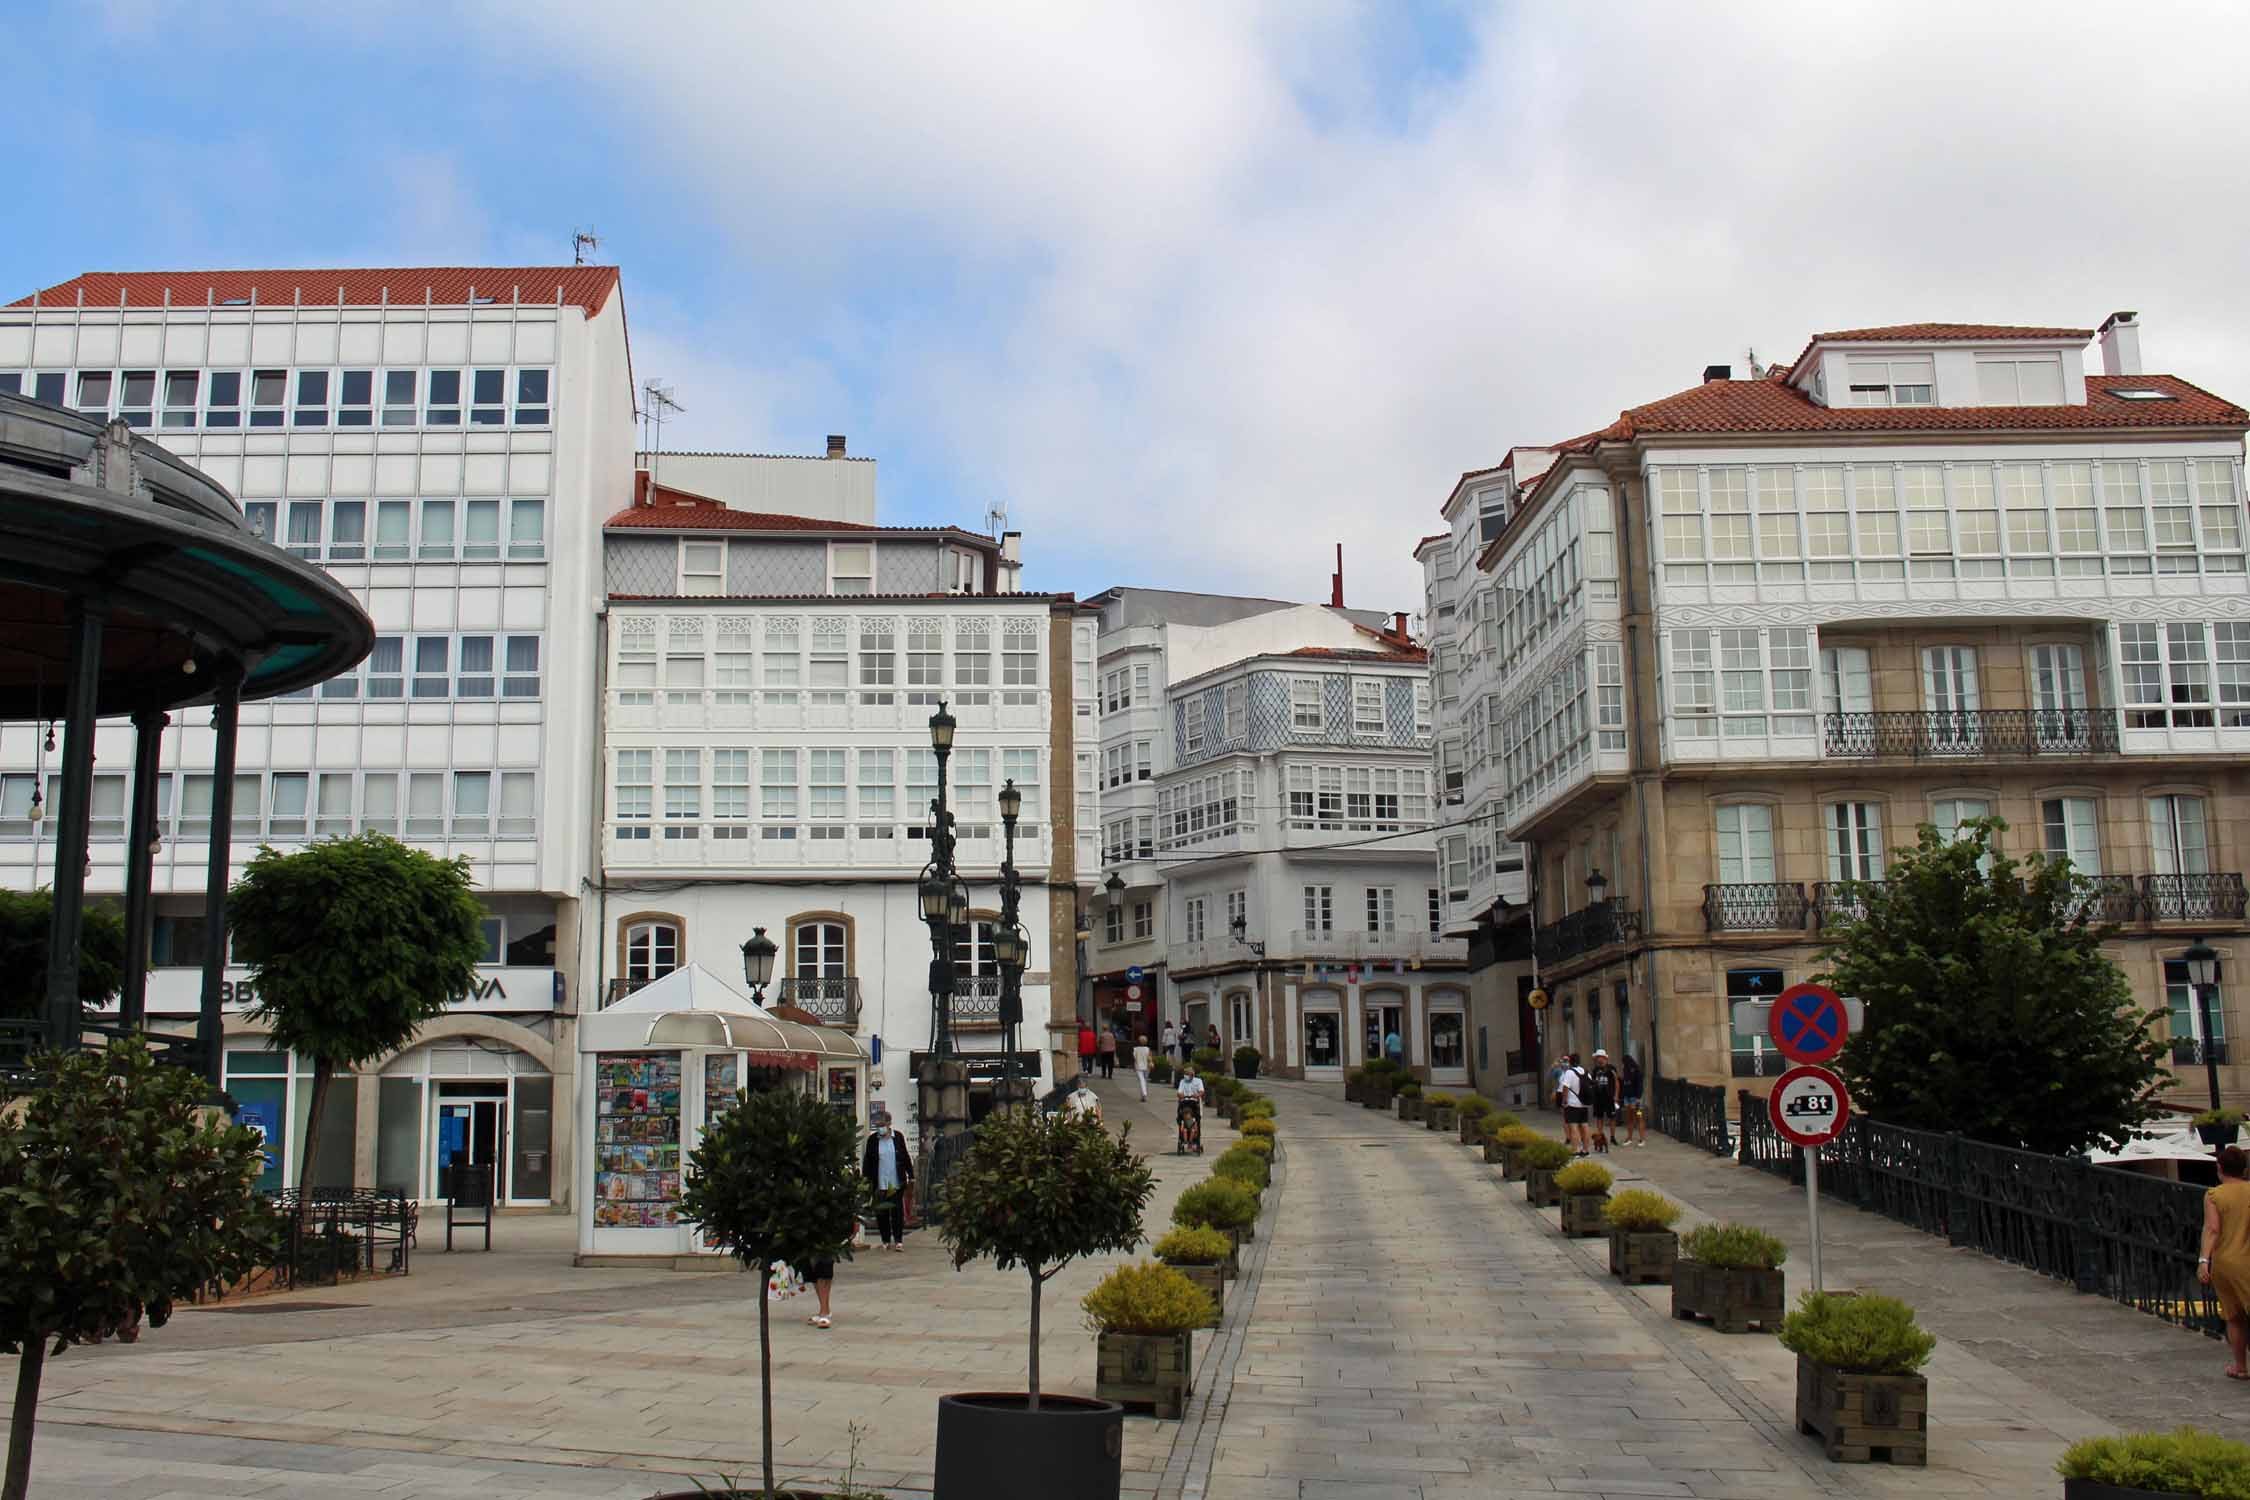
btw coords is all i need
(499, 990)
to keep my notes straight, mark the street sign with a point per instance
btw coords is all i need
(1132, 992)
(1134, 975)
(1808, 1023)
(1809, 1106)
(1537, 999)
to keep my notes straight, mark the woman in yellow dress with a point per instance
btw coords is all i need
(2225, 1266)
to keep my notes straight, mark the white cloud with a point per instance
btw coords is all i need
(1220, 328)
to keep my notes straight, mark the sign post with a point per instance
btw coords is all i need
(1809, 1107)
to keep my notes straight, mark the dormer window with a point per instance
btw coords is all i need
(2020, 382)
(1893, 382)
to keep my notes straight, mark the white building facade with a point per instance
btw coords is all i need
(766, 683)
(444, 442)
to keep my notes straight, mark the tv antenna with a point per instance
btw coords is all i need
(657, 402)
(996, 519)
(581, 241)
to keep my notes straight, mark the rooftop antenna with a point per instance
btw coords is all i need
(1750, 357)
(657, 402)
(996, 518)
(581, 241)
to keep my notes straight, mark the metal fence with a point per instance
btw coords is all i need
(1693, 1112)
(330, 1233)
(2108, 1232)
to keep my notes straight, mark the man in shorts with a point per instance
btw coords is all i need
(1603, 1087)
(1572, 1090)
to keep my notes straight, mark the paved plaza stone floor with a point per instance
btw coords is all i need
(1406, 1330)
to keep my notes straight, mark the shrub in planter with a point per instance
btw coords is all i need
(1246, 1060)
(1208, 1060)
(1437, 1110)
(1355, 1084)
(2188, 1463)
(1584, 1187)
(1144, 1316)
(1257, 1107)
(1731, 1274)
(1470, 1112)
(1858, 1388)
(1160, 1070)
(1222, 1203)
(1203, 1256)
(1247, 1166)
(1037, 1191)
(1514, 1141)
(1542, 1159)
(1262, 1145)
(1409, 1096)
(1258, 1127)
(1642, 1246)
(2218, 1127)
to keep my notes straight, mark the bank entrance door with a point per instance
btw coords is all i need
(471, 1132)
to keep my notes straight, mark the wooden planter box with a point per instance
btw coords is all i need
(1863, 1419)
(1213, 1280)
(1152, 1370)
(1732, 1298)
(1643, 1255)
(1375, 1099)
(1410, 1107)
(1437, 1117)
(1493, 1153)
(1582, 1216)
(1539, 1187)
(1472, 1129)
(1511, 1163)
(1353, 1088)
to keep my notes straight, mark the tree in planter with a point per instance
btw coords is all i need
(1038, 1191)
(119, 1195)
(24, 919)
(1991, 1008)
(776, 1181)
(352, 944)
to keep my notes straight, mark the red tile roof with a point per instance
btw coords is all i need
(1947, 333)
(588, 287)
(1332, 653)
(1731, 406)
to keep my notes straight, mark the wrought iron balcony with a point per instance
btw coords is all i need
(1583, 931)
(835, 1001)
(2108, 898)
(1969, 733)
(976, 999)
(1758, 906)
(2193, 898)
(2194, 1051)
(1842, 898)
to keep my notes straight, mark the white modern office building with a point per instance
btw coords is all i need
(446, 443)
(766, 680)
(1267, 804)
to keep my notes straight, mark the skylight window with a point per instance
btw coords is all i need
(2140, 393)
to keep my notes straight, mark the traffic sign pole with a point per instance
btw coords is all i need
(1809, 1107)
(1812, 1208)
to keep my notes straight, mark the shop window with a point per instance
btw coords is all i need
(1755, 1055)
(1446, 1045)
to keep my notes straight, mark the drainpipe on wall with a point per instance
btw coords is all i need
(595, 796)
(1640, 769)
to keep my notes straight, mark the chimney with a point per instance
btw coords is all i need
(835, 445)
(1398, 628)
(641, 486)
(1336, 583)
(1717, 372)
(2121, 344)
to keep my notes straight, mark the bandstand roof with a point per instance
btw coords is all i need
(693, 1007)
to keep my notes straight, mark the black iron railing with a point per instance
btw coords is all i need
(2195, 1052)
(2193, 898)
(2108, 898)
(834, 1001)
(1589, 928)
(620, 988)
(2108, 1232)
(1758, 906)
(330, 1233)
(1842, 898)
(976, 999)
(1917, 734)
(1693, 1112)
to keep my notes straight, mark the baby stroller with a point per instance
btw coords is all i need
(1191, 1127)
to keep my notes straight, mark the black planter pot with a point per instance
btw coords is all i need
(992, 1446)
(2094, 1489)
(2213, 1135)
(1245, 1069)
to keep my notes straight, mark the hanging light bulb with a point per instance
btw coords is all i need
(38, 806)
(50, 734)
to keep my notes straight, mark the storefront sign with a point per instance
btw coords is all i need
(499, 990)
(984, 1067)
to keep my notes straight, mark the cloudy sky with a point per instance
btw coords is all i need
(1194, 290)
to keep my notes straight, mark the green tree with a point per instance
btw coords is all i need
(120, 1194)
(775, 1181)
(352, 944)
(24, 920)
(1040, 1190)
(1991, 1008)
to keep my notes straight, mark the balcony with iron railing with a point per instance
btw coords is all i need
(1971, 733)
(1754, 906)
(2191, 1051)
(976, 1000)
(1586, 930)
(833, 1000)
(2125, 900)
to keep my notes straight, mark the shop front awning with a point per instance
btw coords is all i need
(692, 1007)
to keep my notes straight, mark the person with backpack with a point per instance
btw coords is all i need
(1603, 1085)
(1570, 1095)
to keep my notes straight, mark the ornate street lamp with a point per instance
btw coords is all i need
(757, 963)
(1010, 945)
(1114, 886)
(1597, 887)
(2203, 974)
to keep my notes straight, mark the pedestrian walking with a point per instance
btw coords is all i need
(2225, 1263)
(1394, 1047)
(1084, 1103)
(1212, 1040)
(1572, 1095)
(1140, 1067)
(1106, 1051)
(1085, 1048)
(886, 1165)
(1630, 1083)
(1171, 1039)
(1603, 1085)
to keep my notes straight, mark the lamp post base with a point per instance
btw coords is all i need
(1012, 1093)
